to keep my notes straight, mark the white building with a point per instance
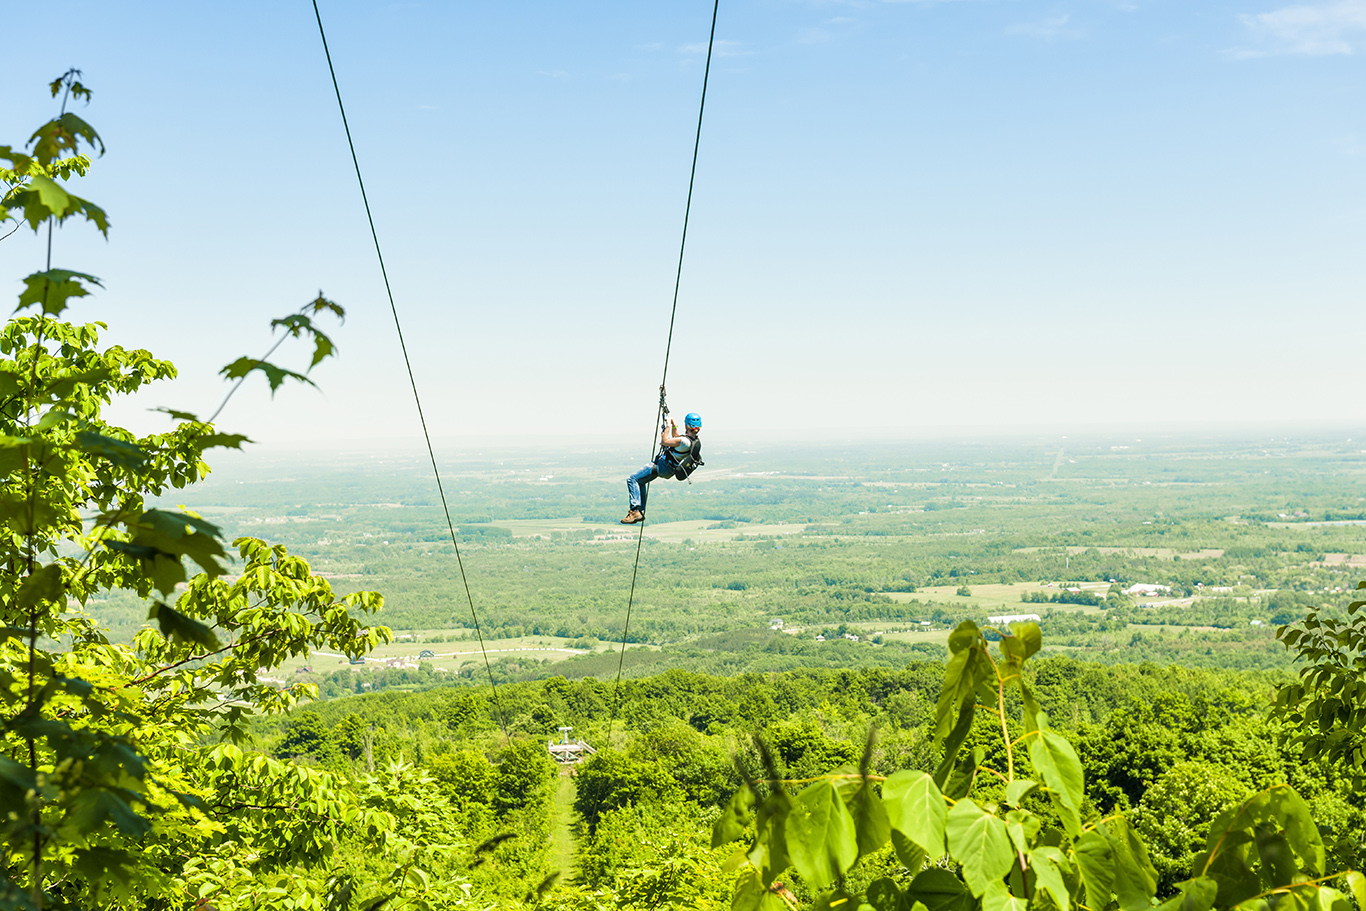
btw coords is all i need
(1014, 618)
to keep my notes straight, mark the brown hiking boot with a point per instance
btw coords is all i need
(633, 517)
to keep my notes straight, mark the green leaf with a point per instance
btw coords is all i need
(44, 584)
(916, 808)
(820, 836)
(940, 890)
(1357, 883)
(911, 855)
(62, 135)
(871, 825)
(275, 376)
(1193, 895)
(120, 452)
(962, 675)
(94, 805)
(998, 898)
(769, 854)
(883, 895)
(43, 198)
(175, 625)
(54, 417)
(16, 775)
(954, 742)
(751, 894)
(1250, 823)
(1135, 878)
(1096, 864)
(1048, 864)
(51, 290)
(1060, 768)
(321, 303)
(1017, 789)
(731, 824)
(173, 535)
(178, 415)
(225, 440)
(978, 840)
(296, 324)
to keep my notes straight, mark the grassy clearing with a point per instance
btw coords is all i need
(562, 844)
(996, 598)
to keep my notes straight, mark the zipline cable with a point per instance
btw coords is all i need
(502, 721)
(668, 346)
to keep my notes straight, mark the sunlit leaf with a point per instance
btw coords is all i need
(1096, 864)
(978, 840)
(1060, 768)
(916, 808)
(820, 834)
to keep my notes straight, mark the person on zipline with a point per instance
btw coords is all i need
(679, 456)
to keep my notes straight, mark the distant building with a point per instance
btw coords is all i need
(775, 623)
(1147, 589)
(1014, 618)
(820, 638)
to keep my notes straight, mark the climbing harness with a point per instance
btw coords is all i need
(668, 347)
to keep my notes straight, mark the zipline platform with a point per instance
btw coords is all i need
(568, 752)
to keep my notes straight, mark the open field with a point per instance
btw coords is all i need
(866, 539)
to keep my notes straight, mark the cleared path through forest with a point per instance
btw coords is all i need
(562, 843)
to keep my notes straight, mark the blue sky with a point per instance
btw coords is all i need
(909, 216)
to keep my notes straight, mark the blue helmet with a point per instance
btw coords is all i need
(693, 420)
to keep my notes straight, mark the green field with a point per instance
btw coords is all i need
(861, 539)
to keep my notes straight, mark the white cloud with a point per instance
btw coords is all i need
(1049, 29)
(1311, 29)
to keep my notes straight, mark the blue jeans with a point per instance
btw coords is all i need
(637, 485)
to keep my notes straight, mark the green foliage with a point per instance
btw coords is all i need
(124, 779)
(1325, 710)
(653, 857)
(1009, 851)
(522, 771)
(1175, 813)
(611, 780)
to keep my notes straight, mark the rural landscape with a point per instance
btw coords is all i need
(1025, 571)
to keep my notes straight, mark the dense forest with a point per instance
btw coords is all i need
(818, 710)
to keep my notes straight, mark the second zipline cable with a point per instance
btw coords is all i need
(502, 721)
